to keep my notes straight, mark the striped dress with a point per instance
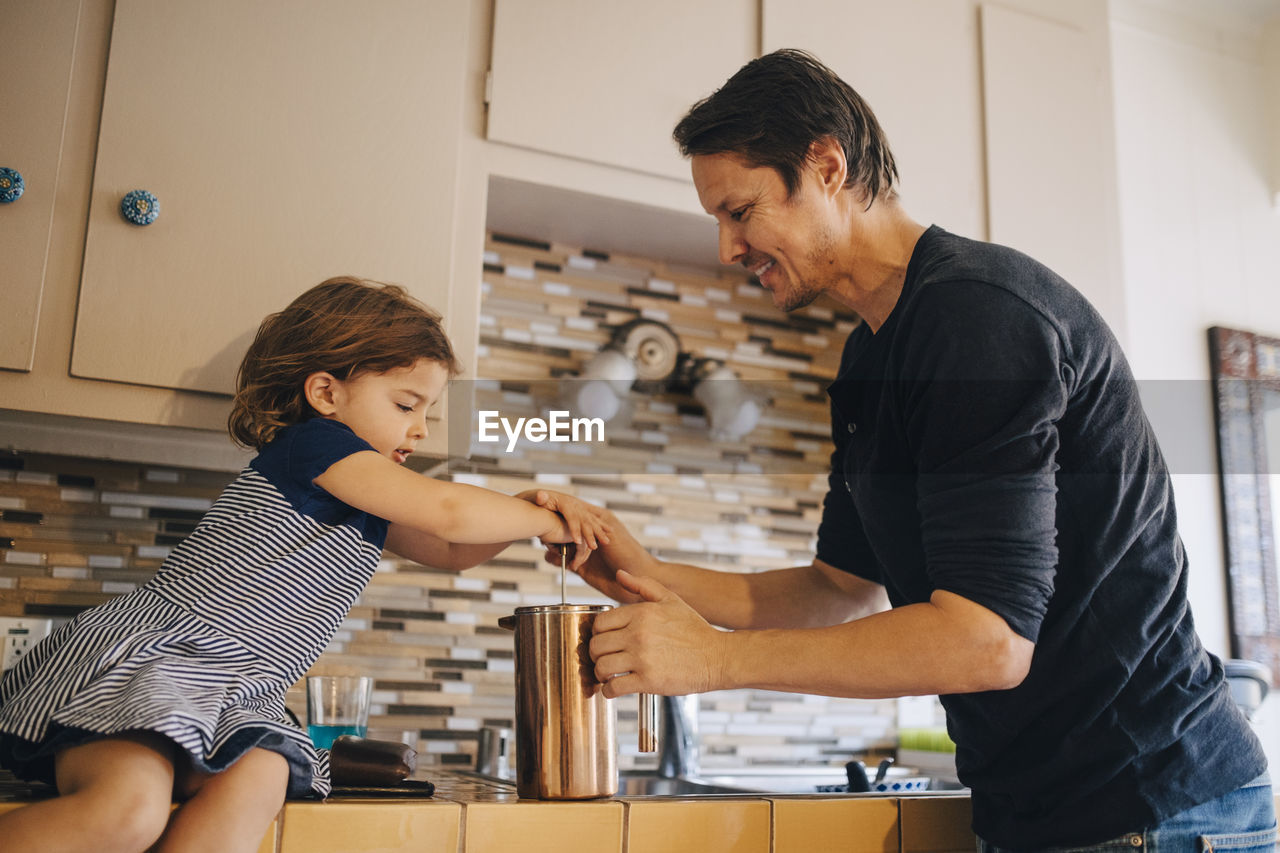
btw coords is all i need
(204, 652)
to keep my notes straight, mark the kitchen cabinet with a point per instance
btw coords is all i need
(287, 142)
(935, 825)
(607, 83)
(917, 63)
(1050, 140)
(999, 117)
(407, 825)
(849, 824)
(705, 826)
(39, 43)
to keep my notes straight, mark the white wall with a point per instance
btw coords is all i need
(1201, 247)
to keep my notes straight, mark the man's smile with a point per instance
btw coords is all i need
(758, 267)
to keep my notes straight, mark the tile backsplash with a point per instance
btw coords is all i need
(76, 531)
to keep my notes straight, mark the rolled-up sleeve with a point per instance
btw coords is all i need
(980, 413)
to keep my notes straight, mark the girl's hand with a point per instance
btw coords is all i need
(581, 523)
(600, 568)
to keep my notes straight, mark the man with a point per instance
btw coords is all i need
(994, 476)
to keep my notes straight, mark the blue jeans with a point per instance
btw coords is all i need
(1241, 821)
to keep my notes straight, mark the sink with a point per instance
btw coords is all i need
(642, 784)
(746, 782)
(637, 783)
(812, 780)
(784, 780)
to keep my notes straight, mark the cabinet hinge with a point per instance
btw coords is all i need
(488, 86)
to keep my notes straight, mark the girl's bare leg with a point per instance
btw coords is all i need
(115, 795)
(230, 811)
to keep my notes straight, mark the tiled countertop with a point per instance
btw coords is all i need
(473, 814)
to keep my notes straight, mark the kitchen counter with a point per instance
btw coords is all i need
(474, 814)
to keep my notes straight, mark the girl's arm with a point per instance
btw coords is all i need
(454, 513)
(430, 550)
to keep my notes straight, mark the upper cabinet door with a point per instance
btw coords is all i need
(917, 64)
(35, 65)
(287, 142)
(1051, 160)
(607, 82)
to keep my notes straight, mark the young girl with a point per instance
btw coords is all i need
(179, 686)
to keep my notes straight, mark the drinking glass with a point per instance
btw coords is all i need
(337, 705)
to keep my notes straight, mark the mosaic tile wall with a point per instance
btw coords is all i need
(74, 531)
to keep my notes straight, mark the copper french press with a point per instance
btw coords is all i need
(566, 735)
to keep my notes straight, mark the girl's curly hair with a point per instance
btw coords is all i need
(345, 326)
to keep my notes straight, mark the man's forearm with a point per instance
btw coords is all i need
(945, 645)
(800, 597)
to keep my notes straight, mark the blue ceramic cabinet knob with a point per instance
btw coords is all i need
(140, 207)
(11, 185)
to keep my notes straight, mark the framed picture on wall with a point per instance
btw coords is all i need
(1246, 390)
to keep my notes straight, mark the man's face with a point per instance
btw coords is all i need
(786, 243)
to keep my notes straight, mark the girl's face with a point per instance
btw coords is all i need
(388, 410)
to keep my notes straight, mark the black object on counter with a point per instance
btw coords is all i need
(407, 788)
(356, 762)
(856, 772)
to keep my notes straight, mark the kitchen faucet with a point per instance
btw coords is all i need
(678, 745)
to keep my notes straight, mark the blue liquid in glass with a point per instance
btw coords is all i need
(324, 736)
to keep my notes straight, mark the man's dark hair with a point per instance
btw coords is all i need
(776, 107)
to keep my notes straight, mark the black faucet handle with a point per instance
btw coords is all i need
(856, 772)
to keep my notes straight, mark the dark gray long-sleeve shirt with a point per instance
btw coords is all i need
(990, 442)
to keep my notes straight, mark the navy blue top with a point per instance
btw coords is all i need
(303, 451)
(989, 441)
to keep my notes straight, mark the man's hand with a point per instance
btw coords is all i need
(599, 568)
(658, 645)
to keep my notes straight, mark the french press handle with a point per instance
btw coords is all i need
(648, 722)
